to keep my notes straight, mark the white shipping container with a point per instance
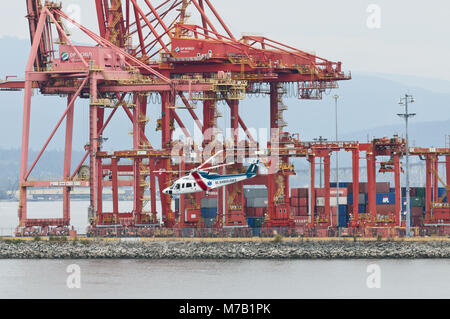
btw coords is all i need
(320, 201)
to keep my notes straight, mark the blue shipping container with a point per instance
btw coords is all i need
(343, 221)
(362, 198)
(343, 210)
(255, 222)
(442, 192)
(362, 208)
(385, 199)
(343, 216)
(209, 212)
(341, 184)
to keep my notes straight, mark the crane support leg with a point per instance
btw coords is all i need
(152, 189)
(181, 208)
(93, 142)
(312, 191)
(99, 191)
(398, 192)
(428, 184)
(326, 164)
(68, 160)
(355, 168)
(436, 180)
(26, 118)
(371, 182)
(115, 191)
(447, 172)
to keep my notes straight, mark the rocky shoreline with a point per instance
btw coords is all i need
(224, 250)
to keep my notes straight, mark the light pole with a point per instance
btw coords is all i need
(320, 140)
(336, 97)
(405, 101)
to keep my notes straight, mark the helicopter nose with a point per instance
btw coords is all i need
(167, 191)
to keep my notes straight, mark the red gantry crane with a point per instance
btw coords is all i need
(152, 47)
(178, 61)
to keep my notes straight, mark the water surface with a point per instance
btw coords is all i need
(225, 279)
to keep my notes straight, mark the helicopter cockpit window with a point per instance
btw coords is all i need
(177, 187)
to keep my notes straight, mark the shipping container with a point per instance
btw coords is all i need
(255, 193)
(294, 201)
(343, 216)
(341, 184)
(299, 202)
(303, 211)
(417, 202)
(417, 211)
(420, 192)
(320, 192)
(255, 211)
(209, 213)
(361, 197)
(299, 211)
(303, 202)
(385, 198)
(442, 192)
(257, 202)
(300, 192)
(385, 209)
(320, 201)
(343, 221)
(255, 222)
(383, 187)
(343, 209)
(362, 209)
(362, 188)
(209, 202)
(294, 211)
(412, 191)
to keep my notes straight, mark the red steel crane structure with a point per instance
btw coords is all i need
(187, 63)
(437, 212)
(177, 60)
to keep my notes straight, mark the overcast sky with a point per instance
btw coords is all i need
(412, 38)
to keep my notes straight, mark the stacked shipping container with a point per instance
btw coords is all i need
(256, 200)
(256, 203)
(299, 202)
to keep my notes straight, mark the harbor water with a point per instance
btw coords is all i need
(217, 279)
(270, 279)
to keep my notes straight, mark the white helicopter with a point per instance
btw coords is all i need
(201, 180)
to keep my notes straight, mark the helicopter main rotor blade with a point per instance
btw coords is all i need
(210, 159)
(170, 172)
(217, 166)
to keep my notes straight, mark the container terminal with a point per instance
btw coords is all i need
(190, 66)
